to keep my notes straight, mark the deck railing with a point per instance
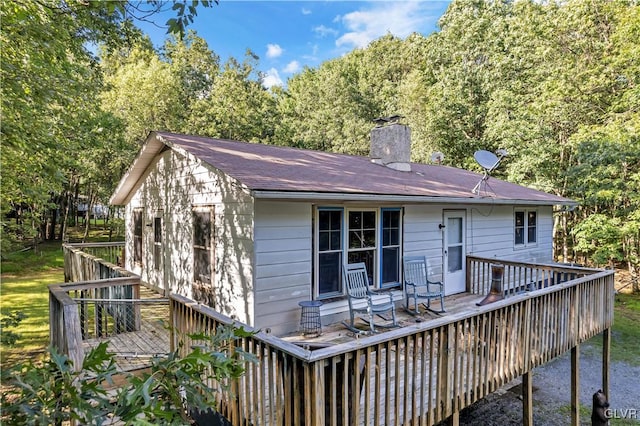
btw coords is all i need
(93, 261)
(77, 312)
(103, 299)
(420, 374)
(518, 276)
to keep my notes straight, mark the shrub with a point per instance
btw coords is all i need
(52, 392)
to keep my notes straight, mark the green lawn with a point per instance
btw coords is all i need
(625, 333)
(23, 287)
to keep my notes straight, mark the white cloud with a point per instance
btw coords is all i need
(323, 31)
(306, 11)
(397, 18)
(272, 78)
(274, 50)
(292, 67)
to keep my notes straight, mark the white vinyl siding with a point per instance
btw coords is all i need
(489, 232)
(283, 241)
(175, 184)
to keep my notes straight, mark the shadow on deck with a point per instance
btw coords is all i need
(134, 350)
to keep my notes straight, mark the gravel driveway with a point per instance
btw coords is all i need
(552, 394)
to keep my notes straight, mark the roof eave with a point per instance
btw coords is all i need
(151, 147)
(342, 196)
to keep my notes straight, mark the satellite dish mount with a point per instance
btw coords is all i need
(489, 162)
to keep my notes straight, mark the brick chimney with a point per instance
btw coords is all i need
(391, 144)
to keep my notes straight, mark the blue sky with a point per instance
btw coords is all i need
(288, 35)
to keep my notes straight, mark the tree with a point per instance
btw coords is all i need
(49, 78)
(237, 107)
(145, 94)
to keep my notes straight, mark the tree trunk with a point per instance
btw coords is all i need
(91, 201)
(65, 217)
(54, 221)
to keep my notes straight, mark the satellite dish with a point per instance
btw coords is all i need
(437, 157)
(489, 162)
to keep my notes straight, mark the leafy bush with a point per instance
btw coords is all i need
(10, 320)
(52, 392)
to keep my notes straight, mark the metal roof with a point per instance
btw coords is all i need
(270, 171)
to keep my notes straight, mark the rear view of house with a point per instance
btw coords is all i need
(252, 229)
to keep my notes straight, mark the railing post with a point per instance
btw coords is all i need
(469, 283)
(73, 336)
(575, 385)
(606, 360)
(317, 389)
(527, 399)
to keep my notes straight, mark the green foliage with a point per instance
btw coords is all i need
(160, 395)
(599, 236)
(10, 319)
(185, 13)
(555, 83)
(53, 392)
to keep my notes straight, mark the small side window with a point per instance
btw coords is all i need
(525, 227)
(157, 243)
(137, 236)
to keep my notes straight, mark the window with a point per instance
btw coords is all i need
(362, 240)
(391, 232)
(372, 236)
(202, 246)
(157, 243)
(137, 236)
(526, 227)
(329, 252)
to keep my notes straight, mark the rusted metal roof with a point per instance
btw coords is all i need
(265, 169)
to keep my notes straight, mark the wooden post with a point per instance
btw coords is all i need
(575, 385)
(606, 360)
(455, 419)
(527, 399)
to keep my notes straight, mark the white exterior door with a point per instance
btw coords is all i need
(454, 251)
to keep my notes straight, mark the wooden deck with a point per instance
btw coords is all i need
(135, 350)
(428, 369)
(336, 333)
(420, 373)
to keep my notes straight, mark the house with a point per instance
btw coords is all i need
(253, 229)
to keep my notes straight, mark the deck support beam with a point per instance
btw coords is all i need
(575, 385)
(606, 360)
(527, 399)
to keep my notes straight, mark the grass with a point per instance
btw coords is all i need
(24, 283)
(47, 257)
(585, 415)
(625, 333)
(23, 286)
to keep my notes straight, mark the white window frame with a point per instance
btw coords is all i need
(525, 228)
(157, 241)
(316, 252)
(376, 271)
(376, 247)
(204, 209)
(138, 239)
(382, 246)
